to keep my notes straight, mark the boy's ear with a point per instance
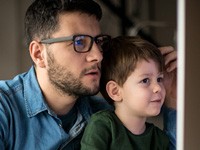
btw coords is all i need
(36, 51)
(113, 90)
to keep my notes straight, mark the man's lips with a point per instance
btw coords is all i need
(93, 72)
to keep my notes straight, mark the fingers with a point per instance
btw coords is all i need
(170, 56)
(167, 49)
(172, 66)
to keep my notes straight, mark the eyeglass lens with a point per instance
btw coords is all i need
(83, 43)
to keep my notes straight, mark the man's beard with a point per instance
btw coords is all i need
(64, 80)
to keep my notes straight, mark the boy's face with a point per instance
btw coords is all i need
(143, 92)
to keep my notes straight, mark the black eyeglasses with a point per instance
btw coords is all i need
(82, 43)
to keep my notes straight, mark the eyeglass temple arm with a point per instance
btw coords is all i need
(55, 40)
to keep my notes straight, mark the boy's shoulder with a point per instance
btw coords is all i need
(104, 113)
(98, 103)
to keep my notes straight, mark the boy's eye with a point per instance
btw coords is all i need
(160, 79)
(145, 80)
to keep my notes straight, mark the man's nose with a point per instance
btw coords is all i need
(95, 54)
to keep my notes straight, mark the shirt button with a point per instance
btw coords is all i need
(60, 125)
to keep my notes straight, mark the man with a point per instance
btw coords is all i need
(49, 106)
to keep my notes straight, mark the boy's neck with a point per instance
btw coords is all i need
(134, 124)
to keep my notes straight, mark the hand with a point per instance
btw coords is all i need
(170, 76)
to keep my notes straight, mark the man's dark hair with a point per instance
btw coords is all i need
(41, 19)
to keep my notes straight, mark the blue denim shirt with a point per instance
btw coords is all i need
(26, 122)
(169, 116)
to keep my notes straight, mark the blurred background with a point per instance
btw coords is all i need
(154, 20)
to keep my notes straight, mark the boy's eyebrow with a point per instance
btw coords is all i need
(150, 74)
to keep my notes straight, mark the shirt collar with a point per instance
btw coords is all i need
(34, 99)
(35, 102)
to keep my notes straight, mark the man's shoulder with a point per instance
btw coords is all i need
(14, 90)
(8, 87)
(18, 81)
(15, 82)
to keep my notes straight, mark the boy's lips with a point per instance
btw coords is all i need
(156, 100)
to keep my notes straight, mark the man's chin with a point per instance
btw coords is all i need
(92, 91)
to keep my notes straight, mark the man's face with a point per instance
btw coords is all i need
(70, 72)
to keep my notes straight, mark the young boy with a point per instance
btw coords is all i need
(132, 80)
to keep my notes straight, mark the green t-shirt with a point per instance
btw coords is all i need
(106, 132)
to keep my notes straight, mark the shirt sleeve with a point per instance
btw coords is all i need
(3, 128)
(1, 144)
(96, 135)
(169, 117)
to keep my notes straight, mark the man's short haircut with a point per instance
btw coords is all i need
(41, 19)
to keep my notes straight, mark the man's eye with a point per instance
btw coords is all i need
(79, 42)
(99, 42)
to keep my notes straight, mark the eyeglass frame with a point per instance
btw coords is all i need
(72, 38)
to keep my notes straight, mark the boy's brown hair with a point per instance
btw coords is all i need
(120, 59)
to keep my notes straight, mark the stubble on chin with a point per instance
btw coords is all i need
(66, 82)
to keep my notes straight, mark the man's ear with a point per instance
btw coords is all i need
(36, 51)
(113, 90)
